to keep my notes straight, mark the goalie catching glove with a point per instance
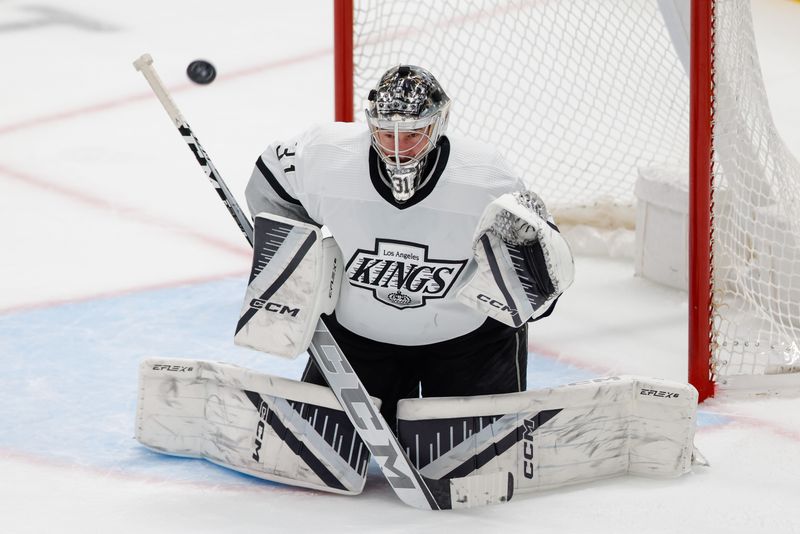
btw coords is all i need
(522, 264)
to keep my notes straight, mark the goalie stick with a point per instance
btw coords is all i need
(410, 486)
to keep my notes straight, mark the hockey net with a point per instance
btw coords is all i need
(581, 95)
(756, 220)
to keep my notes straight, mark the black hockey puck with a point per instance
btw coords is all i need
(201, 71)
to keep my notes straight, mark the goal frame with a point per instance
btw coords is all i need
(700, 237)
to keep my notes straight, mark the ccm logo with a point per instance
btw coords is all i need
(527, 447)
(274, 307)
(165, 367)
(263, 412)
(333, 279)
(496, 304)
(657, 393)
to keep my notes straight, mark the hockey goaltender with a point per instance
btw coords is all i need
(426, 258)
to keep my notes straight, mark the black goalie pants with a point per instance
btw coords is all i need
(490, 360)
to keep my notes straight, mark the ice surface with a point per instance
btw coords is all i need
(115, 248)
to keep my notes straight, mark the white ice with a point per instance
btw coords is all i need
(115, 248)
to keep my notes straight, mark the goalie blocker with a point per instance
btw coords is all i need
(295, 277)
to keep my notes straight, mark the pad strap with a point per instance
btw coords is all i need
(268, 427)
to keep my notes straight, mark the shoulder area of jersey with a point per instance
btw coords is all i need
(472, 151)
(337, 134)
(470, 157)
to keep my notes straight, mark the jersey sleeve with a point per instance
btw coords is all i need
(275, 182)
(513, 181)
(515, 184)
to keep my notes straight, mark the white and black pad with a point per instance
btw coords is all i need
(521, 263)
(493, 286)
(554, 437)
(268, 427)
(295, 277)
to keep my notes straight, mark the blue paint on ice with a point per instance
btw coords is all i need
(68, 386)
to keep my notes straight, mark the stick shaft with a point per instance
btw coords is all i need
(145, 65)
(409, 485)
(416, 493)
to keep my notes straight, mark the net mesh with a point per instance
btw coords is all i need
(579, 95)
(756, 213)
(565, 88)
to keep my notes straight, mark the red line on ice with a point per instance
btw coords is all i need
(104, 472)
(744, 420)
(121, 292)
(148, 95)
(570, 360)
(130, 212)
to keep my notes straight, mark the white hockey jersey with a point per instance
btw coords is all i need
(403, 262)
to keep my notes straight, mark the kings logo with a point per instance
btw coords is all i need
(401, 274)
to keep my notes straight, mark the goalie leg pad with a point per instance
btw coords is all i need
(295, 277)
(554, 437)
(265, 426)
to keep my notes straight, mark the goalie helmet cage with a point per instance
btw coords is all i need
(582, 96)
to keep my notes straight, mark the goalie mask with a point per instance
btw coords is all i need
(407, 114)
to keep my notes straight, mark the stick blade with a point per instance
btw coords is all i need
(473, 490)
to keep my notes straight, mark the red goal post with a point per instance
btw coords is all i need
(701, 113)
